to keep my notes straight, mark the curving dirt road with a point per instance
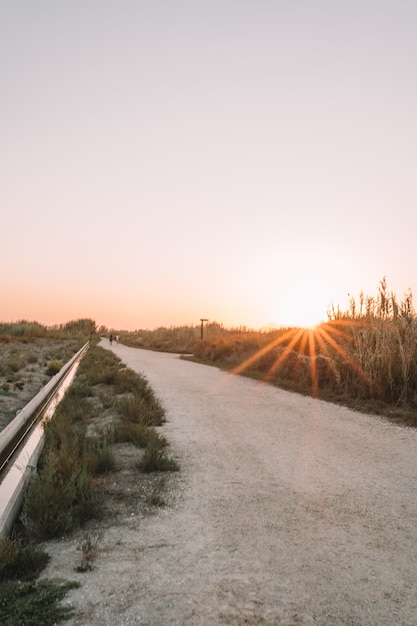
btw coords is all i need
(289, 511)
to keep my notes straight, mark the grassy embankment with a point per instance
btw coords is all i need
(365, 357)
(28, 347)
(65, 493)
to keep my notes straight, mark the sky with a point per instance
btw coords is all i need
(248, 162)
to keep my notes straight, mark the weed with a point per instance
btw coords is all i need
(20, 561)
(47, 508)
(155, 459)
(124, 431)
(89, 545)
(59, 499)
(83, 567)
(53, 367)
(83, 390)
(14, 366)
(140, 410)
(99, 457)
(155, 497)
(87, 503)
(34, 603)
(7, 551)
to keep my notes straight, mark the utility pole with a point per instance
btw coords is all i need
(202, 320)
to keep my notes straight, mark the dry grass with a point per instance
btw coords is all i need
(365, 357)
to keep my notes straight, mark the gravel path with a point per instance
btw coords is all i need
(289, 511)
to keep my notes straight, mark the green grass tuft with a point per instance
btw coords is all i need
(155, 458)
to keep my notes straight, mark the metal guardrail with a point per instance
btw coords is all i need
(25, 418)
(14, 480)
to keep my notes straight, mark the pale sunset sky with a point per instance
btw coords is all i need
(243, 161)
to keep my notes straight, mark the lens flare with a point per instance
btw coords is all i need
(310, 341)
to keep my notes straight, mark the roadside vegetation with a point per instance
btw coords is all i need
(67, 490)
(30, 354)
(28, 332)
(364, 357)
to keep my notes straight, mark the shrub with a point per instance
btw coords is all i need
(53, 367)
(19, 561)
(86, 504)
(47, 508)
(32, 603)
(155, 496)
(98, 455)
(55, 504)
(123, 431)
(140, 410)
(155, 459)
(14, 366)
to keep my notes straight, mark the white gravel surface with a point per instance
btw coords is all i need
(288, 511)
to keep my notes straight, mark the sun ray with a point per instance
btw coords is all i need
(332, 342)
(324, 339)
(313, 361)
(331, 328)
(284, 354)
(255, 357)
(305, 337)
(322, 344)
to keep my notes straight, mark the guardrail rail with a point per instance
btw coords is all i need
(21, 442)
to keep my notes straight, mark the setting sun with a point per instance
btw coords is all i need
(300, 308)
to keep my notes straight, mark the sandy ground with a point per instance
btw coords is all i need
(287, 511)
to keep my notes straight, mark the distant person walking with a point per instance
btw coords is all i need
(111, 338)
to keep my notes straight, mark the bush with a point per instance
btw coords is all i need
(32, 604)
(98, 456)
(86, 504)
(53, 367)
(56, 503)
(19, 561)
(14, 366)
(141, 411)
(155, 459)
(47, 509)
(123, 431)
